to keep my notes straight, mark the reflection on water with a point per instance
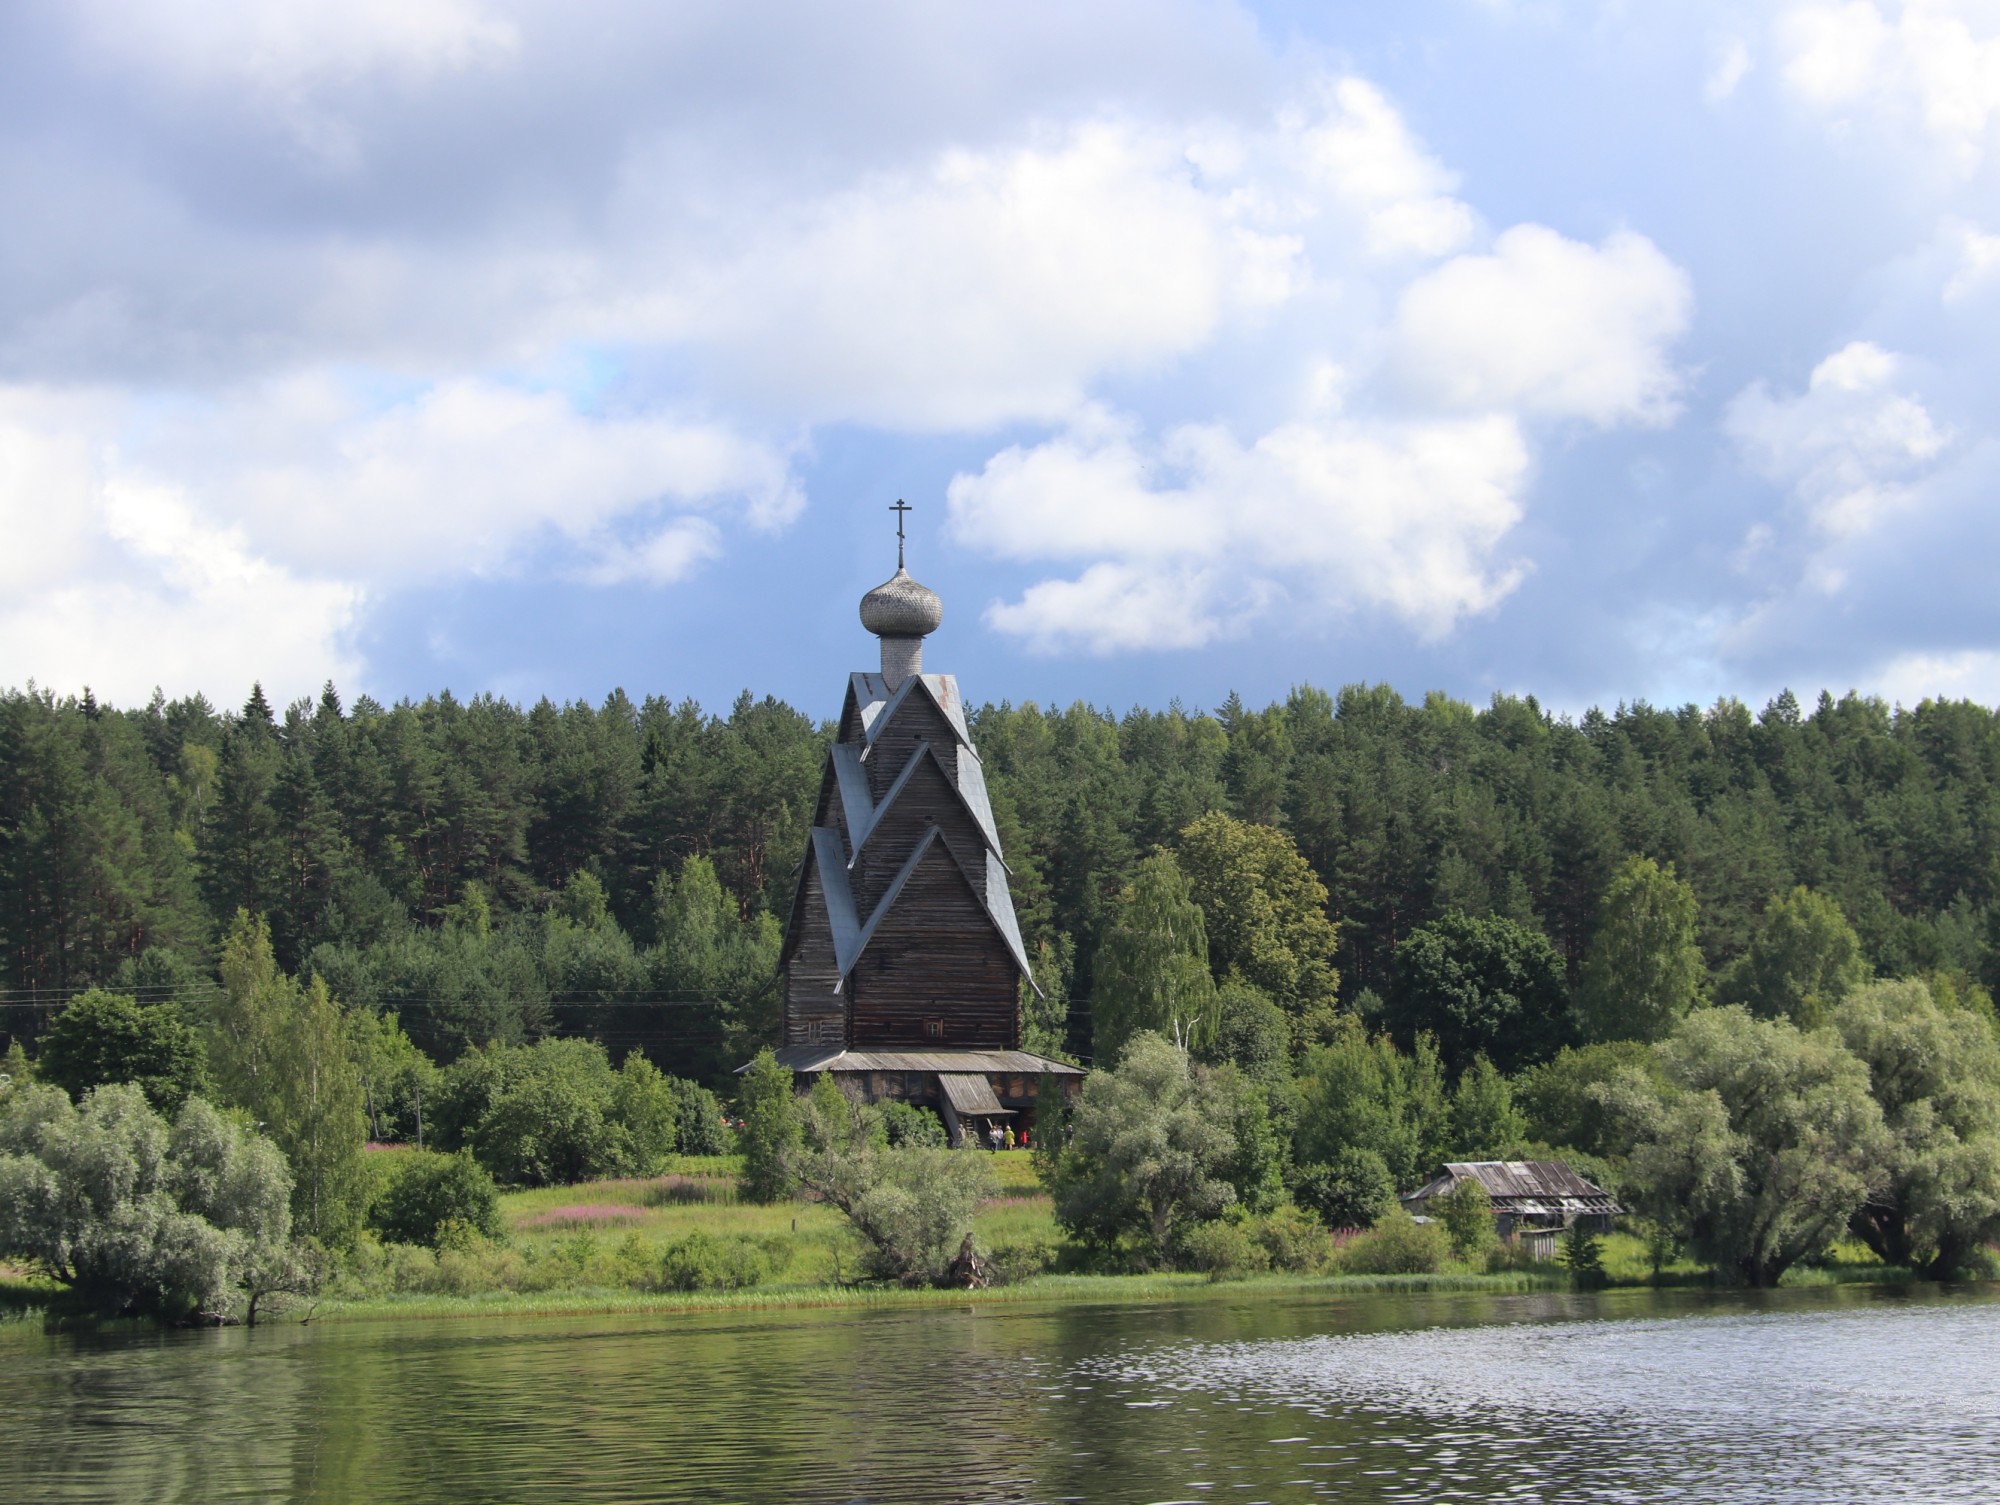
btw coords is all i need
(1629, 1396)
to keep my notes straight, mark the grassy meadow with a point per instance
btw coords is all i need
(602, 1246)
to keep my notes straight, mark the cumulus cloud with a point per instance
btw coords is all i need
(993, 287)
(1360, 148)
(1955, 674)
(1548, 325)
(286, 55)
(1331, 515)
(111, 582)
(459, 477)
(1848, 446)
(256, 528)
(1934, 61)
(1215, 339)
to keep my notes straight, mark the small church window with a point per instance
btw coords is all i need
(933, 1029)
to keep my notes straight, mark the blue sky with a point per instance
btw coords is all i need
(1596, 351)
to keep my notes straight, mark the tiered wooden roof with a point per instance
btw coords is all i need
(902, 933)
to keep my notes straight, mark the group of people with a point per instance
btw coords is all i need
(998, 1138)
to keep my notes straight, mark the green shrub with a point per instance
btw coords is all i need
(1010, 1264)
(699, 1123)
(771, 1133)
(1583, 1252)
(645, 1105)
(701, 1262)
(1467, 1215)
(428, 1191)
(101, 1038)
(908, 1125)
(1352, 1190)
(1293, 1239)
(1225, 1249)
(1398, 1245)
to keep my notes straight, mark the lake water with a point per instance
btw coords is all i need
(1826, 1395)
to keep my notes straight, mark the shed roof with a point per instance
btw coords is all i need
(971, 1094)
(1528, 1186)
(816, 1058)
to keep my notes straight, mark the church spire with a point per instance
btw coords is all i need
(901, 613)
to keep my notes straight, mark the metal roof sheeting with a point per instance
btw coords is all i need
(1522, 1186)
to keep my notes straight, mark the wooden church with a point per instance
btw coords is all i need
(903, 963)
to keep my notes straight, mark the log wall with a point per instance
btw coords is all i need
(815, 1014)
(935, 958)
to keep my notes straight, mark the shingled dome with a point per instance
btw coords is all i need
(901, 608)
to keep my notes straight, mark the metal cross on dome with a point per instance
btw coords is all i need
(899, 509)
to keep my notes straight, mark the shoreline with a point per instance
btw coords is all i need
(1044, 1290)
(1175, 1289)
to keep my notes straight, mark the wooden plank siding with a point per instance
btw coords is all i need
(917, 720)
(815, 1008)
(935, 957)
(926, 800)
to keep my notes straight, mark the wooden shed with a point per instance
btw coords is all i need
(1532, 1199)
(903, 961)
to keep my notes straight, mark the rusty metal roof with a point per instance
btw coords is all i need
(1528, 1186)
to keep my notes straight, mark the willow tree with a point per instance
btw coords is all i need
(1757, 1141)
(1935, 1072)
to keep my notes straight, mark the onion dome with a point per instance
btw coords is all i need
(901, 608)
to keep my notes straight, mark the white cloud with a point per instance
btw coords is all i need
(1113, 608)
(284, 46)
(992, 287)
(1548, 325)
(1731, 65)
(1331, 515)
(1257, 386)
(670, 554)
(1937, 61)
(1847, 447)
(122, 586)
(1360, 148)
(1965, 674)
(288, 56)
(463, 476)
(253, 530)
(1978, 261)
